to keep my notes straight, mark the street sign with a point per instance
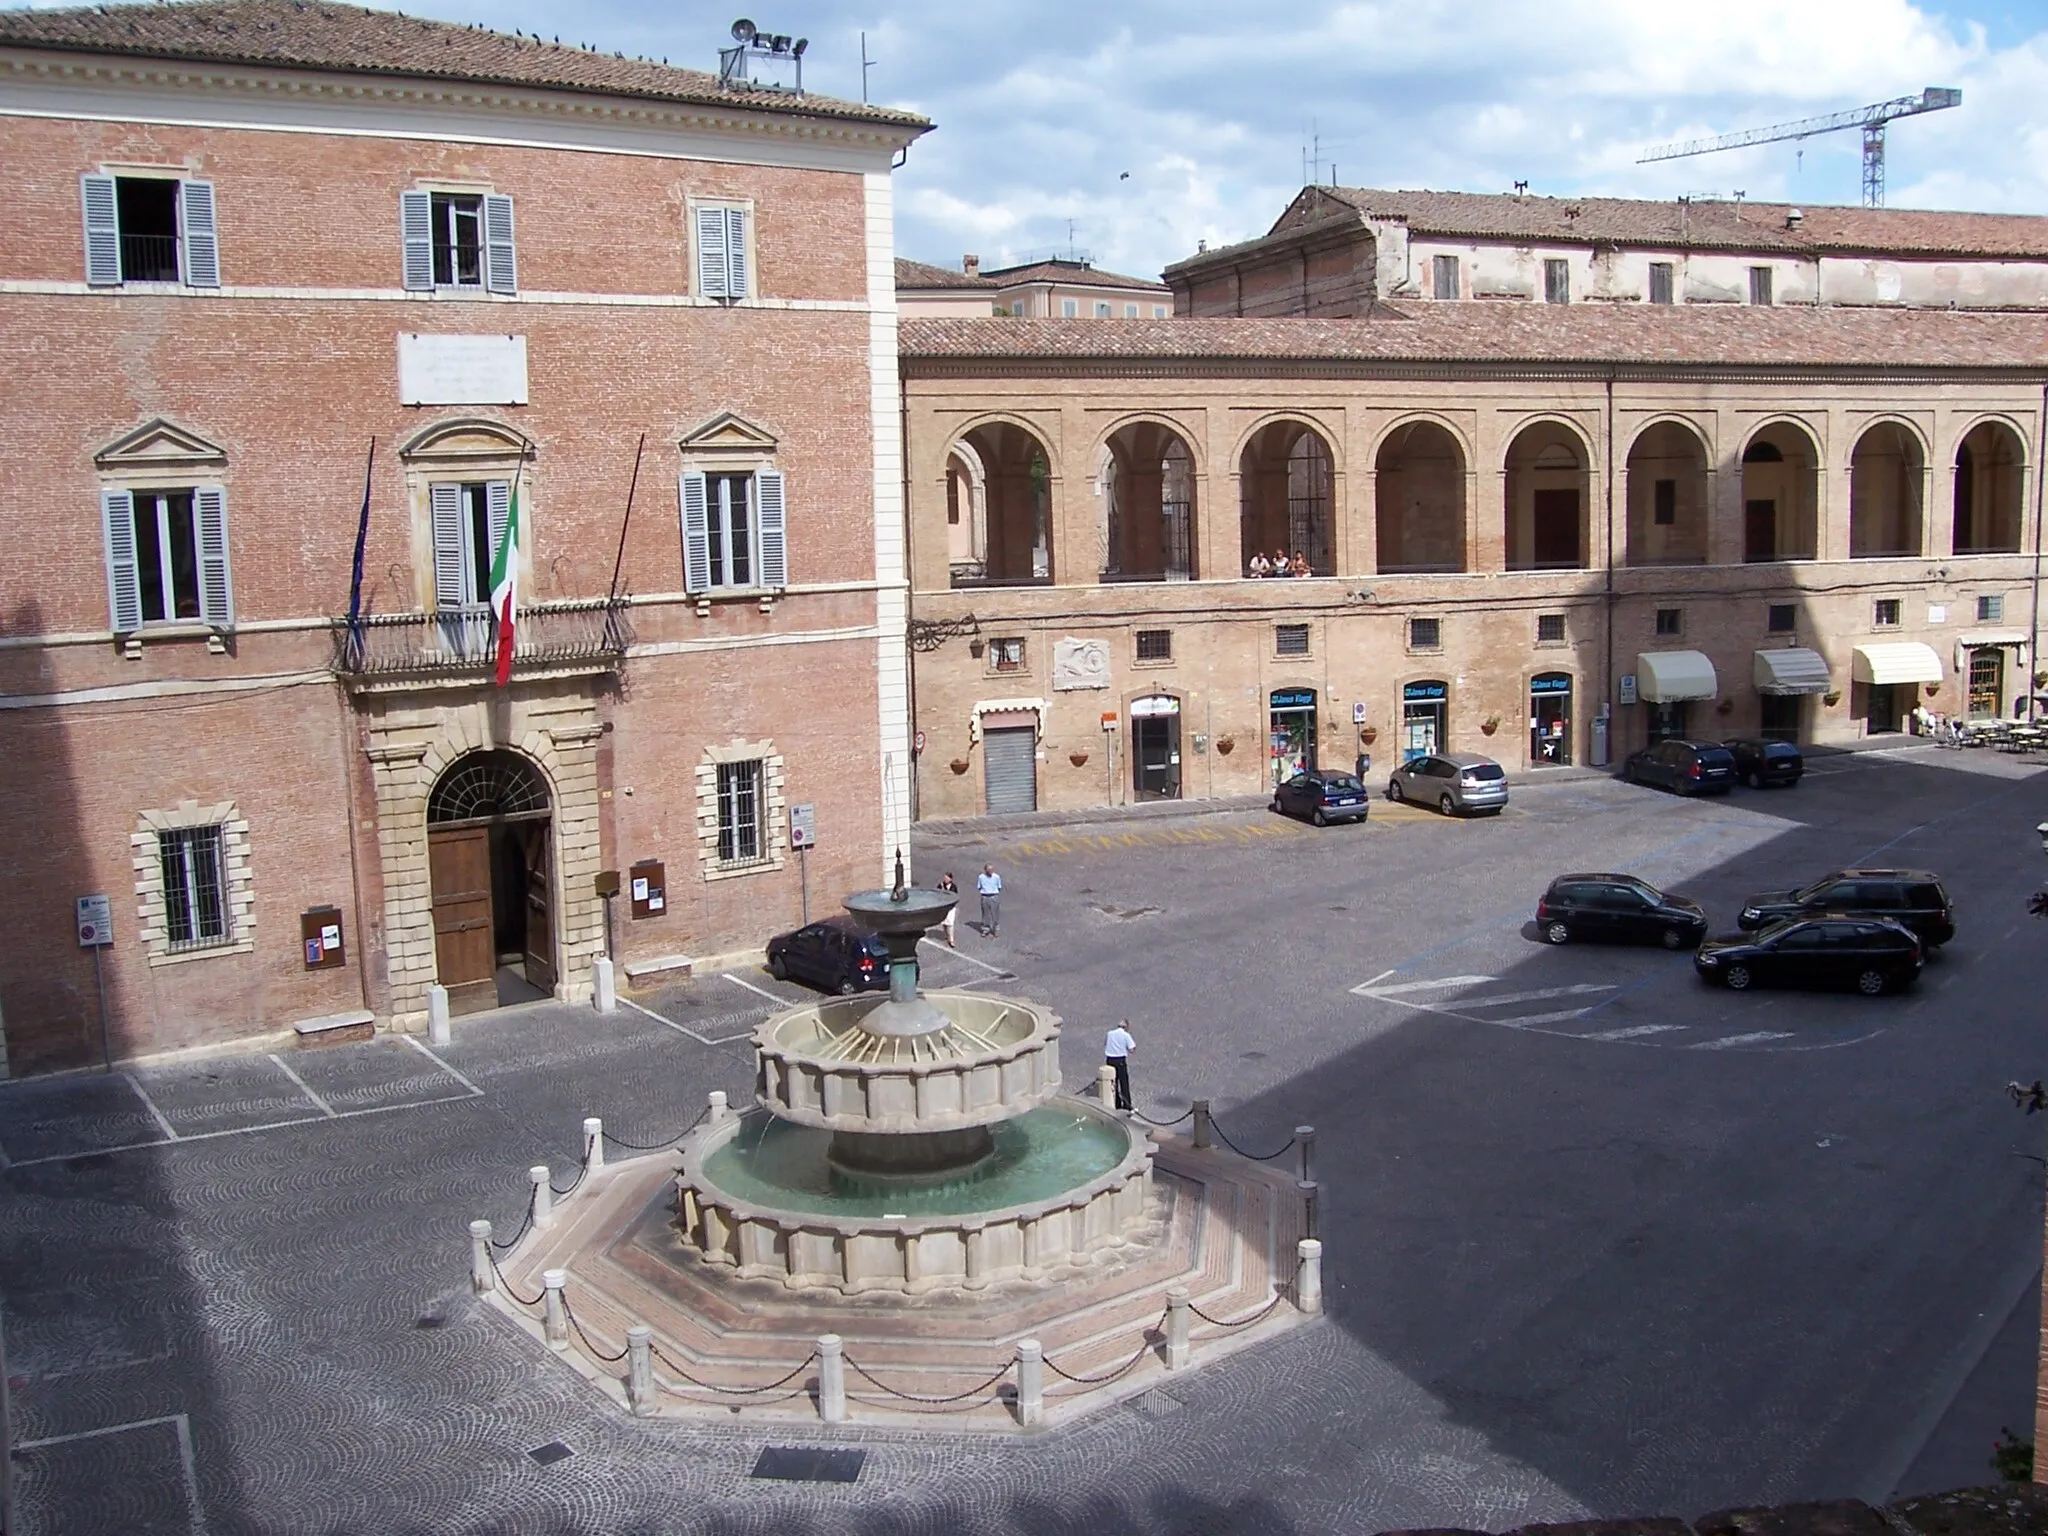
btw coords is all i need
(1628, 687)
(1109, 719)
(95, 921)
(918, 744)
(803, 826)
(1358, 712)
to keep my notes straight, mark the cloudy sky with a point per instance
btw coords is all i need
(1146, 127)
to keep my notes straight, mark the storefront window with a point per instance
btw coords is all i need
(1155, 747)
(1667, 722)
(1550, 719)
(1292, 732)
(1987, 681)
(1424, 716)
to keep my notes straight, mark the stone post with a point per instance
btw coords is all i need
(1310, 1216)
(1105, 1086)
(543, 1198)
(1308, 1284)
(593, 1146)
(831, 1378)
(1177, 1328)
(438, 1032)
(555, 1322)
(719, 1112)
(1306, 1136)
(604, 992)
(640, 1368)
(1203, 1139)
(481, 1279)
(1030, 1382)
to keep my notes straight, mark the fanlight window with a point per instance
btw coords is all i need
(484, 785)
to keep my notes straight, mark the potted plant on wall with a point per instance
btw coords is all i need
(1725, 707)
(1367, 735)
(1078, 757)
(1225, 744)
(959, 765)
(1832, 697)
(1490, 724)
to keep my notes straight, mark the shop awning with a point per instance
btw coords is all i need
(1671, 677)
(1792, 669)
(1896, 661)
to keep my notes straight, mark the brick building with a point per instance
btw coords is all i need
(1543, 532)
(244, 241)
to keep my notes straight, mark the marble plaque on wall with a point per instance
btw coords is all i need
(1080, 664)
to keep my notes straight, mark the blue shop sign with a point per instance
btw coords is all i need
(1423, 692)
(1553, 683)
(1294, 698)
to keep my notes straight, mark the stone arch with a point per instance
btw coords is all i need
(459, 438)
(1287, 498)
(1666, 496)
(966, 509)
(1990, 489)
(1545, 503)
(1780, 492)
(1017, 501)
(1147, 522)
(1419, 498)
(1887, 469)
(491, 782)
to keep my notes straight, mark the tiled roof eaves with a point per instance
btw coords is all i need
(1339, 224)
(1073, 277)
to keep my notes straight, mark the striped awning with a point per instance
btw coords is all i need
(1790, 670)
(1896, 661)
(1671, 677)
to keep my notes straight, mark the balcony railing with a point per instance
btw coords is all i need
(464, 641)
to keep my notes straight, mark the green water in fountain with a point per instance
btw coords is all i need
(1040, 1154)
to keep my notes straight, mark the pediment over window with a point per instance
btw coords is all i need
(466, 440)
(730, 433)
(161, 444)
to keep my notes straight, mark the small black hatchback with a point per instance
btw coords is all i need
(1323, 795)
(836, 954)
(1872, 954)
(1683, 767)
(1758, 763)
(1911, 896)
(1617, 909)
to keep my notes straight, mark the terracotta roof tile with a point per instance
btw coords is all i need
(1078, 273)
(1483, 334)
(318, 34)
(921, 274)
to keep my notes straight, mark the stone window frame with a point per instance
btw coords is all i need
(775, 834)
(151, 915)
(1887, 613)
(1425, 641)
(1669, 622)
(1560, 623)
(465, 450)
(995, 666)
(1283, 639)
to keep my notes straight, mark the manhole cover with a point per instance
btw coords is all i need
(554, 1451)
(803, 1464)
(1159, 1404)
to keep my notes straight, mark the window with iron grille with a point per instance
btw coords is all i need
(195, 887)
(739, 812)
(1660, 282)
(1784, 618)
(1425, 634)
(1550, 629)
(1290, 639)
(1155, 645)
(1006, 655)
(1991, 608)
(1670, 621)
(1884, 613)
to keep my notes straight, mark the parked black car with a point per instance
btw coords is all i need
(1872, 954)
(1617, 909)
(1758, 763)
(1911, 896)
(836, 954)
(1683, 767)
(1323, 795)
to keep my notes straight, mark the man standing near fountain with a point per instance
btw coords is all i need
(990, 885)
(1116, 1054)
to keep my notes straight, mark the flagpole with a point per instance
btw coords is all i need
(626, 522)
(355, 581)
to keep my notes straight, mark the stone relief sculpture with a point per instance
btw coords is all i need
(1080, 664)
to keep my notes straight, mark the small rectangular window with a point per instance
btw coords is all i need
(1557, 281)
(1155, 645)
(1784, 618)
(734, 530)
(1103, 309)
(1669, 621)
(1549, 629)
(1290, 639)
(1425, 634)
(739, 812)
(1444, 279)
(1884, 613)
(149, 229)
(1759, 285)
(1006, 655)
(1130, 311)
(1069, 308)
(1660, 282)
(1991, 608)
(1158, 311)
(724, 257)
(195, 886)
(1666, 510)
(458, 241)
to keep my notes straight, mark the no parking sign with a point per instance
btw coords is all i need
(95, 921)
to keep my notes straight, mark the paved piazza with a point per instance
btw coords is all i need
(1599, 1241)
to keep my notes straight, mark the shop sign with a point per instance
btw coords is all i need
(1294, 698)
(1557, 683)
(1423, 692)
(1154, 704)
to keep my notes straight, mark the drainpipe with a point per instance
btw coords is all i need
(1607, 633)
(2040, 484)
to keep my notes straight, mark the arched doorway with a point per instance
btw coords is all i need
(1419, 500)
(1148, 517)
(1990, 491)
(1780, 495)
(489, 830)
(1884, 493)
(1667, 497)
(1286, 503)
(1546, 495)
(1016, 510)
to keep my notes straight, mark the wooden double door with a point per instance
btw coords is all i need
(493, 898)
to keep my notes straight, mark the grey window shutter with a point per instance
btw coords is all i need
(102, 231)
(736, 253)
(202, 241)
(498, 505)
(124, 582)
(451, 567)
(416, 226)
(696, 533)
(501, 270)
(216, 587)
(712, 273)
(774, 568)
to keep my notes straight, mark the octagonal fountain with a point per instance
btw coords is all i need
(912, 1142)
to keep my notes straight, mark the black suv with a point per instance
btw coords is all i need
(1618, 909)
(1758, 763)
(1912, 896)
(1683, 767)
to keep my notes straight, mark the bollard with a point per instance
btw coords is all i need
(831, 1379)
(555, 1322)
(593, 1146)
(480, 1277)
(1030, 1382)
(604, 992)
(1105, 1086)
(1309, 1214)
(437, 1015)
(719, 1112)
(640, 1368)
(1201, 1123)
(1308, 1288)
(1177, 1328)
(1306, 1136)
(543, 1198)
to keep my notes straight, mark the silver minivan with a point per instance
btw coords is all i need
(1453, 782)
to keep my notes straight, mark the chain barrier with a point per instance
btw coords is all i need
(913, 1397)
(570, 1313)
(581, 1170)
(1281, 1292)
(1164, 1125)
(509, 1291)
(658, 1146)
(1253, 1156)
(1144, 1349)
(513, 1242)
(710, 1386)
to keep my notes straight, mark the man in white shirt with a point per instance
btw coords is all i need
(990, 885)
(1116, 1053)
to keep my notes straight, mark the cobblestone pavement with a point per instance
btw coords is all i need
(1574, 1267)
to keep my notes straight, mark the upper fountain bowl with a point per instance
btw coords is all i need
(917, 911)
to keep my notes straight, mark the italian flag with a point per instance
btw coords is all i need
(505, 587)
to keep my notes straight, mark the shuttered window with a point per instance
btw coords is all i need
(1660, 282)
(458, 240)
(167, 558)
(722, 261)
(735, 531)
(739, 812)
(149, 229)
(469, 523)
(1444, 276)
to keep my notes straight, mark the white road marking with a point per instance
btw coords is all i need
(1501, 1000)
(324, 1107)
(1367, 989)
(1383, 975)
(414, 1042)
(1725, 1041)
(1529, 1021)
(147, 1103)
(681, 1029)
(247, 1130)
(1634, 1032)
(180, 1425)
(997, 970)
(741, 981)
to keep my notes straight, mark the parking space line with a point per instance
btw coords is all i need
(181, 1426)
(1756, 1038)
(150, 1104)
(246, 1130)
(681, 1029)
(741, 981)
(324, 1107)
(414, 1042)
(1635, 1032)
(995, 970)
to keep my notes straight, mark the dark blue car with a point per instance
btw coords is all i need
(1323, 795)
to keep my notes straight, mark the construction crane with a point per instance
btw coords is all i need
(1870, 119)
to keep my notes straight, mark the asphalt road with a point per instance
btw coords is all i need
(1600, 1240)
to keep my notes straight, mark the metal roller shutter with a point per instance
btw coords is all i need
(1009, 760)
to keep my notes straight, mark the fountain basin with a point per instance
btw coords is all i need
(994, 1059)
(1061, 1184)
